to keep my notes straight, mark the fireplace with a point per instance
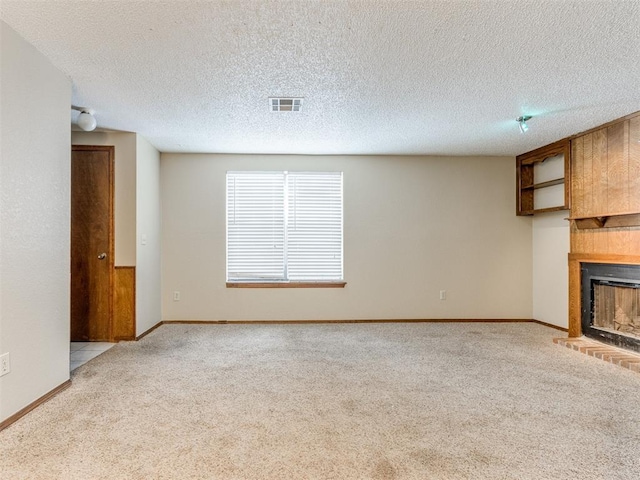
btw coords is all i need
(610, 302)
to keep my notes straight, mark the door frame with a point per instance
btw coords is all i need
(110, 149)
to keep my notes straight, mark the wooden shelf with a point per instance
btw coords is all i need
(543, 210)
(609, 220)
(550, 183)
(527, 186)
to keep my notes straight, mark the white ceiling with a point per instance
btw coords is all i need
(377, 77)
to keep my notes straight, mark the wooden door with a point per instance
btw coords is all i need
(92, 169)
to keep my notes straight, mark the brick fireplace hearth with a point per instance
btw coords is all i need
(607, 353)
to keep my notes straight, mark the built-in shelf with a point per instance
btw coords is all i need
(550, 183)
(542, 210)
(532, 198)
(609, 220)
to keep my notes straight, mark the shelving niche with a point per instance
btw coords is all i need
(543, 179)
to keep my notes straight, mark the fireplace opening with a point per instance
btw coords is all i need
(611, 304)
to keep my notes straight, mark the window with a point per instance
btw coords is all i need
(284, 227)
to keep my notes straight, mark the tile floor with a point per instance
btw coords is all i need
(82, 352)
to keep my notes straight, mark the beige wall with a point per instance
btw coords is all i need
(125, 188)
(34, 219)
(148, 311)
(412, 226)
(550, 268)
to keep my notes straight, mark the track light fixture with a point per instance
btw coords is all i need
(86, 121)
(522, 123)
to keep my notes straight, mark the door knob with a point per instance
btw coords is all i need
(102, 256)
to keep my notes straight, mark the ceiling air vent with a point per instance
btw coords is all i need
(285, 104)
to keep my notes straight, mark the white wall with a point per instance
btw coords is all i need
(125, 189)
(148, 311)
(550, 268)
(412, 226)
(34, 213)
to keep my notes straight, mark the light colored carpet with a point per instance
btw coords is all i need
(347, 401)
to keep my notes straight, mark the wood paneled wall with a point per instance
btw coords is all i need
(605, 180)
(124, 299)
(605, 183)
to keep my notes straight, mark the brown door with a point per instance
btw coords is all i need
(91, 242)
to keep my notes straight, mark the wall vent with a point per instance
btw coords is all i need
(287, 104)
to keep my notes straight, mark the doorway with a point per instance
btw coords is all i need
(92, 243)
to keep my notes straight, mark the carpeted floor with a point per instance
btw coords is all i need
(346, 401)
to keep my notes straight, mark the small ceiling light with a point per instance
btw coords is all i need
(86, 121)
(522, 123)
(289, 104)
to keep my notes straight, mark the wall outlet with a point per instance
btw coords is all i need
(443, 294)
(5, 364)
(176, 296)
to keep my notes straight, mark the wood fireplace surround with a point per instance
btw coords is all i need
(605, 203)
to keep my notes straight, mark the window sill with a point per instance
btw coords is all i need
(286, 284)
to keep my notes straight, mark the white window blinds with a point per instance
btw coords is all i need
(314, 226)
(255, 226)
(284, 226)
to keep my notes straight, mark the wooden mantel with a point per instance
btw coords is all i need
(607, 220)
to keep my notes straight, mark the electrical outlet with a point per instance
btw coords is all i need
(176, 296)
(443, 294)
(5, 364)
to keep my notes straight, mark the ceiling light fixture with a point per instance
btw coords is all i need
(522, 123)
(288, 104)
(86, 121)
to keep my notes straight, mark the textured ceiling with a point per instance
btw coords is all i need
(377, 77)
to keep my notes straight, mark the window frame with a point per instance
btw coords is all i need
(284, 282)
